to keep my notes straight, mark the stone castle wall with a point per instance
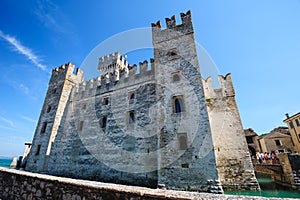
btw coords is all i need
(233, 157)
(108, 154)
(151, 128)
(16, 184)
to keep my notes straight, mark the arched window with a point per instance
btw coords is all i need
(131, 117)
(131, 97)
(178, 105)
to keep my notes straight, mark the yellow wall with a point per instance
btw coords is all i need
(295, 130)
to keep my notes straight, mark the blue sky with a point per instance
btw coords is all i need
(257, 41)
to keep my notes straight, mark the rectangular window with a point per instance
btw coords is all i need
(48, 109)
(105, 101)
(291, 124)
(277, 142)
(44, 126)
(80, 126)
(297, 122)
(182, 141)
(38, 150)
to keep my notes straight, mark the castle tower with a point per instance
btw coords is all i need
(233, 158)
(112, 64)
(186, 158)
(60, 85)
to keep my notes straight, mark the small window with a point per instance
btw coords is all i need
(176, 77)
(182, 141)
(297, 122)
(103, 122)
(38, 150)
(44, 126)
(84, 106)
(105, 101)
(48, 109)
(178, 104)
(131, 117)
(299, 136)
(173, 54)
(277, 142)
(80, 126)
(54, 91)
(131, 97)
(291, 125)
(185, 165)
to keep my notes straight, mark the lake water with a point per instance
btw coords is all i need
(5, 162)
(268, 189)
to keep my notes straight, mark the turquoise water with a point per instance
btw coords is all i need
(268, 189)
(5, 162)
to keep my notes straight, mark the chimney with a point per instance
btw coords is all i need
(287, 115)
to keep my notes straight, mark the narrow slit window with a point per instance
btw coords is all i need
(44, 126)
(103, 122)
(80, 126)
(38, 150)
(48, 109)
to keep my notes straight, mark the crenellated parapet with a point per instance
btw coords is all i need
(226, 87)
(112, 64)
(67, 71)
(172, 30)
(114, 79)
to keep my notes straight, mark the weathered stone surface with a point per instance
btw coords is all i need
(69, 189)
(145, 125)
(233, 159)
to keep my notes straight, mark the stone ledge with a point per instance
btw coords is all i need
(14, 184)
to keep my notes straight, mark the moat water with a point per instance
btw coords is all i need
(5, 162)
(268, 189)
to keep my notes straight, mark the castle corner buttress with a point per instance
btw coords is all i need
(156, 124)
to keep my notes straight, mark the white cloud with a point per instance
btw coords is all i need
(7, 121)
(24, 88)
(27, 52)
(28, 119)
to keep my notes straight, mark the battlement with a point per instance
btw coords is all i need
(116, 78)
(112, 63)
(173, 30)
(66, 71)
(226, 87)
(186, 19)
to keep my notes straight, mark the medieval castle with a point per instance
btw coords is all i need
(161, 125)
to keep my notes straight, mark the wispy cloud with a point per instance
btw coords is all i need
(7, 121)
(27, 52)
(28, 119)
(24, 88)
(53, 18)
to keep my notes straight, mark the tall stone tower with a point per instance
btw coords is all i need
(233, 157)
(60, 85)
(187, 158)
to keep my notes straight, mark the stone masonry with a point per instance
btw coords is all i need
(15, 185)
(155, 128)
(233, 157)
